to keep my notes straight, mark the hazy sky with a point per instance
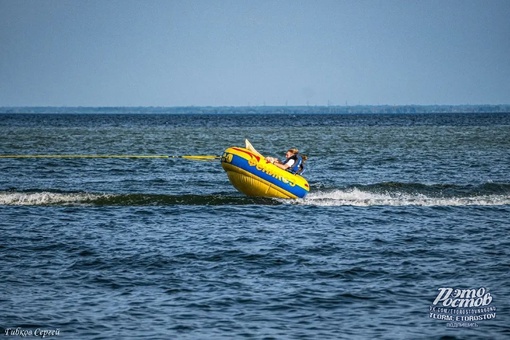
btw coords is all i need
(258, 52)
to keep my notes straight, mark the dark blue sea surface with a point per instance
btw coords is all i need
(400, 206)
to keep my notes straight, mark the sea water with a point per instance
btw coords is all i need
(400, 207)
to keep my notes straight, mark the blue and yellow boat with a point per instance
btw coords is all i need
(250, 173)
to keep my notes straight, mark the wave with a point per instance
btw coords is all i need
(51, 198)
(380, 194)
(412, 194)
(45, 198)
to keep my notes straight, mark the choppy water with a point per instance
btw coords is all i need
(400, 205)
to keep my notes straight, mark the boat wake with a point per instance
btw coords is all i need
(50, 198)
(412, 194)
(356, 197)
(46, 198)
(381, 194)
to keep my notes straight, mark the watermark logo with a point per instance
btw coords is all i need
(463, 307)
(25, 332)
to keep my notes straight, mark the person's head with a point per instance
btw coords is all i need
(291, 152)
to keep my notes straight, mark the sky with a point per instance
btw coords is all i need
(253, 53)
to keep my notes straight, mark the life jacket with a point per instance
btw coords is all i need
(295, 168)
(301, 169)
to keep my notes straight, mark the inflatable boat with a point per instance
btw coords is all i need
(251, 174)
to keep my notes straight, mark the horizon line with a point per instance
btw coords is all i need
(245, 106)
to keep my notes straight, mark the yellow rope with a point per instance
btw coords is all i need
(193, 157)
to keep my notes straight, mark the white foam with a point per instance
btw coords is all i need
(45, 198)
(357, 197)
(345, 197)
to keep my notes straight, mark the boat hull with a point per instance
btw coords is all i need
(251, 174)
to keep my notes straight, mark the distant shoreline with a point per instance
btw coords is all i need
(357, 109)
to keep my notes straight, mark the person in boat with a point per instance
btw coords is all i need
(293, 162)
